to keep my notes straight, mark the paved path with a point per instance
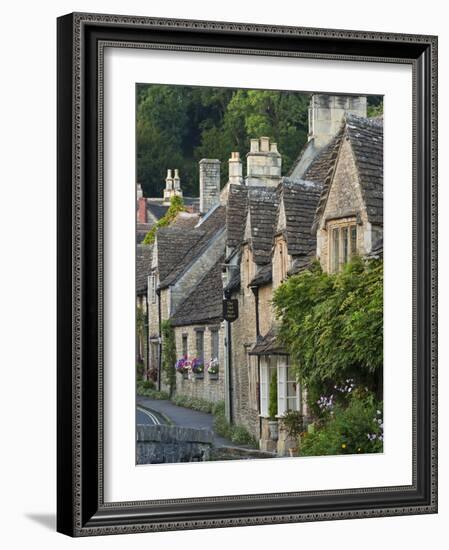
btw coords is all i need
(181, 416)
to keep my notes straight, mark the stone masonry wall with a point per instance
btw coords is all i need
(344, 200)
(208, 387)
(243, 336)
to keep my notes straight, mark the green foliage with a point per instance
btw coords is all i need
(332, 325)
(195, 403)
(145, 389)
(273, 397)
(354, 429)
(375, 105)
(293, 423)
(140, 370)
(237, 434)
(168, 355)
(179, 125)
(176, 206)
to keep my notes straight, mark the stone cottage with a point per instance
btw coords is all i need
(246, 240)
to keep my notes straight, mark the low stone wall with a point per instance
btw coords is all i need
(167, 444)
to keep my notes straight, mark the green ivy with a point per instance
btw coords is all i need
(332, 325)
(168, 355)
(176, 206)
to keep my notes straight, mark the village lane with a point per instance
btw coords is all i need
(181, 416)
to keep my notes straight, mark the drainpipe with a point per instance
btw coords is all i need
(228, 372)
(147, 339)
(159, 361)
(255, 290)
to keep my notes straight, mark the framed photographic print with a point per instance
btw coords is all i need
(246, 274)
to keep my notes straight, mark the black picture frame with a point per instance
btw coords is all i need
(81, 510)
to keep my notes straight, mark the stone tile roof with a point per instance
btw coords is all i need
(262, 277)
(141, 231)
(366, 138)
(144, 255)
(236, 214)
(172, 244)
(300, 263)
(300, 199)
(262, 207)
(268, 345)
(204, 305)
(156, 210)
(200, 237)
(185, 219)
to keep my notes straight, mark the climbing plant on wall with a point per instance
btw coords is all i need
(168, 355)
(176, 206)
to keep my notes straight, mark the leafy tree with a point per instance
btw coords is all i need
(332, 325)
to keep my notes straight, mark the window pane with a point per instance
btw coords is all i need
(200, 345)
(344, 238)
(353, 230)
(184, 345)
(214, 344)
(335, 249)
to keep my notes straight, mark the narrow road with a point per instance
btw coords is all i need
(147, 417)
(180, 416)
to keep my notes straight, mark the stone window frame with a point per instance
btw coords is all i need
(340, 225)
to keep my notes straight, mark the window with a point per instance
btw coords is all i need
(288, 389)
(342, 244)
(267, 370)
(185, 345)
(214, 344)
(200, 344)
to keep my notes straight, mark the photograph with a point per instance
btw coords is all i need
(259, 274)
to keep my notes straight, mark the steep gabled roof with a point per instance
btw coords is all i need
(200, 238)
(144, 254)
(236, 214)
(262, 208)
(299, 199)
(366, 138)
(172, 244)
(204, 305)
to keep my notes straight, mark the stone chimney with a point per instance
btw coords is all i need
(209, 184)
(142, 210)
(263, 163)
(172, 186)
(235, 169)
(326, 114)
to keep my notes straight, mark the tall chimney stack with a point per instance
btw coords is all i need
(263, 163)
(235, 169)
(209, 184)
(326, 113)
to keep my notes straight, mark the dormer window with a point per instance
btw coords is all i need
(342, 243)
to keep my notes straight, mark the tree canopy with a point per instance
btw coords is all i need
(177, 126)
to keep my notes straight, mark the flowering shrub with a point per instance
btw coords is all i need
(212, 366)
(197, 366)
(356, 427)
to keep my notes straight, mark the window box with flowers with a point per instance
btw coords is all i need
(213, 368)
(183, 367)
(197, 369)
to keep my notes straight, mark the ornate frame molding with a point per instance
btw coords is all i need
(81, 41)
